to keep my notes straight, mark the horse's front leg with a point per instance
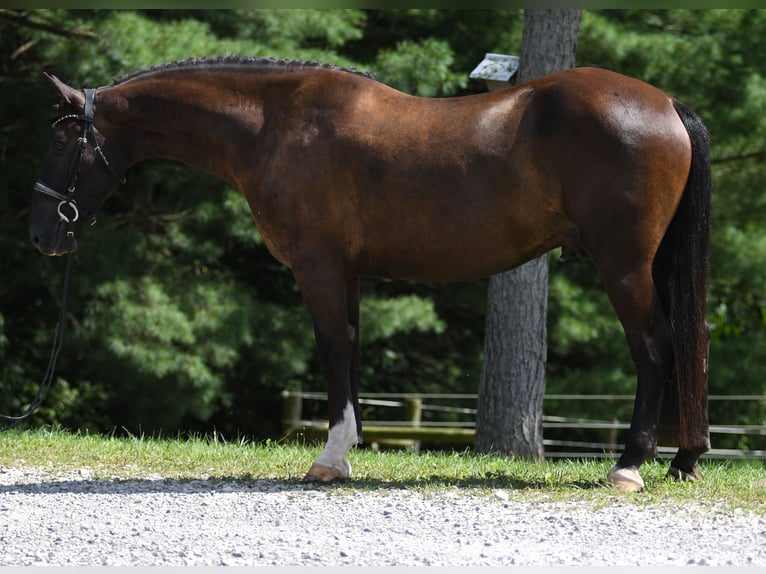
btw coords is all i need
(333, 302)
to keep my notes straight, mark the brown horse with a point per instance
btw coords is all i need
(347, 178)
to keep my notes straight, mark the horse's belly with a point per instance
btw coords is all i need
(443, 261)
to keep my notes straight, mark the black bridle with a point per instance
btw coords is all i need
(66, 200)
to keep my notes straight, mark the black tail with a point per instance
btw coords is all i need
(681, 274)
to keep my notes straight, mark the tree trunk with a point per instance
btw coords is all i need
(512, 386)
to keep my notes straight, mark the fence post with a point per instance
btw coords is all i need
(611, 436)
(292, 409)
(413, 409)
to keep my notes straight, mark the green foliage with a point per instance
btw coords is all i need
(177, 343)
(321, 29)
(179, 317)
(585, 339)
(383, 318)
(130, 40)
(420, 68)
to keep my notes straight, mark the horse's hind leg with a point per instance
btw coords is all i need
(333, 304)
(647, 329)
(684, 465)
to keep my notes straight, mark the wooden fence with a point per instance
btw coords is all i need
(450, 422)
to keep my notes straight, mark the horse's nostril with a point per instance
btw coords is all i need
(35, 236)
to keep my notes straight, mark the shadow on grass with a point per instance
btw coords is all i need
(52, 484)
(496, 481)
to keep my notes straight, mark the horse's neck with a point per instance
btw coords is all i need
(202, 123)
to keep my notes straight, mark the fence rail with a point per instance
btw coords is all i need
(409, 430)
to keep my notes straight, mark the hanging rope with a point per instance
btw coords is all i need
(58, 341)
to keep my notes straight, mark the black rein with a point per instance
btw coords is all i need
(58, 341)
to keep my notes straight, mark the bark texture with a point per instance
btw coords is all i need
(510, 405)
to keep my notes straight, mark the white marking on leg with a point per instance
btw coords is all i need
(340, 439)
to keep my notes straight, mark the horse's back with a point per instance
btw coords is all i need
(456, 188)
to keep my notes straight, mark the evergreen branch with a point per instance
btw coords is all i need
(39, 23)
(740, 157)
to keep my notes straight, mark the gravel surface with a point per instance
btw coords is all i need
(74, 520)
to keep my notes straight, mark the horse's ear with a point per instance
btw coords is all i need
(71, 96)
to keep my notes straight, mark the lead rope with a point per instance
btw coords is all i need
(58, 341)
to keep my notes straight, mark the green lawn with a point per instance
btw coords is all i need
(733, 484)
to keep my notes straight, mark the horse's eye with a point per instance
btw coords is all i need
(59, 145)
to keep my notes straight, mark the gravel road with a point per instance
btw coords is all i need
(74, 520)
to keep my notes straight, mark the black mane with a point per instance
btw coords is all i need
(253, 63)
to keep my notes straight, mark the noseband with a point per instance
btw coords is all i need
(66, 200)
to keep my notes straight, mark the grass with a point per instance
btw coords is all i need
(732, 484)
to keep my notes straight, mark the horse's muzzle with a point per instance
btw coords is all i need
(57, 243)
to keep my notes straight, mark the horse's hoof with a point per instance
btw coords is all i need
(323, 473)
(681, 475)
(626, 479)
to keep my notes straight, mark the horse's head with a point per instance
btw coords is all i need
(77, 176)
